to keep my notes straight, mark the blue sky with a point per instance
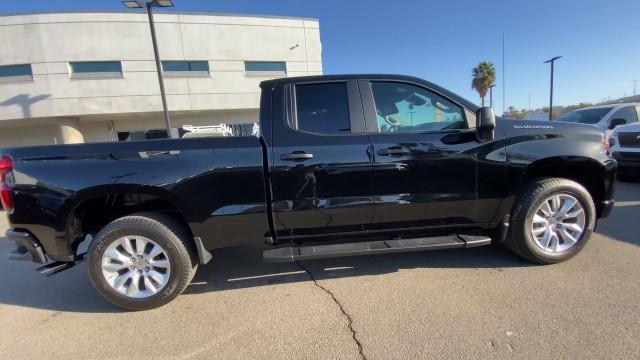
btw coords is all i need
(442, 40)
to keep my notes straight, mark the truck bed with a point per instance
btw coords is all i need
(216, 184)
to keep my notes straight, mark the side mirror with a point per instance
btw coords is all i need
(486, 123)
(616, 122)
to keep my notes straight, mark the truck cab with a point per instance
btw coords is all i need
(380, 155)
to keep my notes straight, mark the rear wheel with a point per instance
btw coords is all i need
(551, 221)
(141, 261)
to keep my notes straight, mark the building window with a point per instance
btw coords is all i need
(265, 68)
(95, 69)
(185, 68)
(15, 73)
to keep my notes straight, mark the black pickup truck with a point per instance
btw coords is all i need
(344, 165)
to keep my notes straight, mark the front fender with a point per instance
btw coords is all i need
(576, 153)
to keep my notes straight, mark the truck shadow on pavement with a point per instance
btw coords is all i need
(232, 269)
(622, 225)
(243, 267)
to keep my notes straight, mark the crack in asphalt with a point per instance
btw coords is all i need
(342, 310)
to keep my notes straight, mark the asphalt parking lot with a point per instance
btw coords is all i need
(473, 303)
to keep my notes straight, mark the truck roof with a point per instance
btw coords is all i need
(612, 105)
(392, 77)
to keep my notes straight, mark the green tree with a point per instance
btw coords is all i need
(484, 75)
(522, 114)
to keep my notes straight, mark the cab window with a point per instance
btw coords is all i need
(402, 107)
(627, 113)
(323, 108)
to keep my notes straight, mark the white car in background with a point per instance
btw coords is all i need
(624, 145)
(604, 117)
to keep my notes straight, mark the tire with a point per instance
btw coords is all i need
(158, 285)
(524, 242)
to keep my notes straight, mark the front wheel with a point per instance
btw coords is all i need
(551, 221)
(141, 261)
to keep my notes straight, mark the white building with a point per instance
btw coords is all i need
(88, 77)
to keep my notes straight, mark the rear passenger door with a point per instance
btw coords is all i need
(321, 168)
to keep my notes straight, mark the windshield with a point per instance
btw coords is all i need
(589, 116)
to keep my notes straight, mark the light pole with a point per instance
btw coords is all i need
(635, 83)
(491, 95)
(552, 60)
(136, 4)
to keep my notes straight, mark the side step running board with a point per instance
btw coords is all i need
(286, 254)
(58, 266)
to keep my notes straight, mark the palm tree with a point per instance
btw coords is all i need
(484, 75)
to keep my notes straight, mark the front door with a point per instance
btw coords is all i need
(424, 167)
(321, 167)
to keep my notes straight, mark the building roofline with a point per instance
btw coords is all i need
(124, 11)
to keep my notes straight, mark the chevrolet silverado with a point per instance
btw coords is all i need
(343, 165)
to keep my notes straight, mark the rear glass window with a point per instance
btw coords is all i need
(323, 108)
(588, 116)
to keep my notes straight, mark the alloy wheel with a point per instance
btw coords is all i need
(558, 223)
(136, 266)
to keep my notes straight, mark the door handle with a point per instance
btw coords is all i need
(394, 151)
(296, 155)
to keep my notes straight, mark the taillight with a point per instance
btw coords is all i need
(6, 166)
(605, 144)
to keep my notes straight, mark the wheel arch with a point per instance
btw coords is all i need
(583, 170)
(90, 210)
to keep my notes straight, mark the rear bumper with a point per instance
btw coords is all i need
(28, 248)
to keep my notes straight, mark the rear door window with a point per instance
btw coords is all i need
(323, 108)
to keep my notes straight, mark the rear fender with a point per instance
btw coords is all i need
(67, 228)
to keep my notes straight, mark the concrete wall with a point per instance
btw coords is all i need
(98, 130)
(50, 41)
(27, 136)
